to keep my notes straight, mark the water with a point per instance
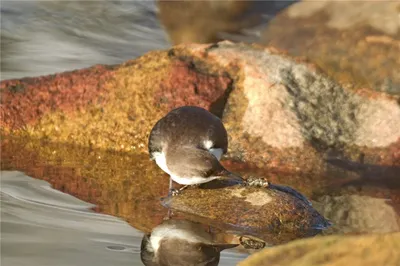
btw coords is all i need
(43, 226)
(45, 37)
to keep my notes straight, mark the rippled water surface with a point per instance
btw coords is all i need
(45, 37)
(42, 226)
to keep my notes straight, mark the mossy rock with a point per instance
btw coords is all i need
(275, 214)
(363, 250)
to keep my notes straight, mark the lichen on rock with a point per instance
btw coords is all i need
(272, 214)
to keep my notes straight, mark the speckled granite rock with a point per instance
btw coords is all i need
(357, 43)
(358, 214)
(364, 250)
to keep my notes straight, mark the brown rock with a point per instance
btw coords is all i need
(357, 43)
(201, 21)
(209, 21)
(285, 118)
(360, 214)
(270, 214)
(364, 250)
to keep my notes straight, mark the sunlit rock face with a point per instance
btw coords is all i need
(357, 43)
(279, 111)
(371, 249)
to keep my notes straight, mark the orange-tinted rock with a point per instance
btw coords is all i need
(25, 101)
(109, 108)
(187, 86)
(372, 249)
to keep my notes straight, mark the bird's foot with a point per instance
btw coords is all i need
(257, 182)
(174, 192)
(250, 242)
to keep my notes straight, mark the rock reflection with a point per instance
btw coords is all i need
(181, 242)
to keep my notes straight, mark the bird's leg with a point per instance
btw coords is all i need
(182, 188)
(175, 192)
(172, 190)
(170, 184)
(169, 214)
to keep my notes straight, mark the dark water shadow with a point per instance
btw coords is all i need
(377, 175)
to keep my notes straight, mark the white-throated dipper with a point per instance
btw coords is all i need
(188, 143)
(181, 243)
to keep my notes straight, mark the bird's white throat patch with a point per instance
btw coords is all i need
(208, 144)
(217, 152)
(161, 161)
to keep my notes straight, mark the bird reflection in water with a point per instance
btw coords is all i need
(181, 242)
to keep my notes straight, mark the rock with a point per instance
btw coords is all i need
(358, 214)
(199, 21)
(109, 107)
(281, 111)
(270, 214)
(287, 120)
(357, 43)
(373, 249)
(208, 21)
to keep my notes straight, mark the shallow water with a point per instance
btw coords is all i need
(43, 226)
(130, 186)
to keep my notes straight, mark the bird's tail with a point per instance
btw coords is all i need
(231, 177)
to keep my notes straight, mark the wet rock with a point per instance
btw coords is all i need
(269, 214)
(373, 249)
(358, 214)
(357, 43)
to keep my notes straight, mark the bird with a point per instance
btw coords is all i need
(181, 242)
(187, 144)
